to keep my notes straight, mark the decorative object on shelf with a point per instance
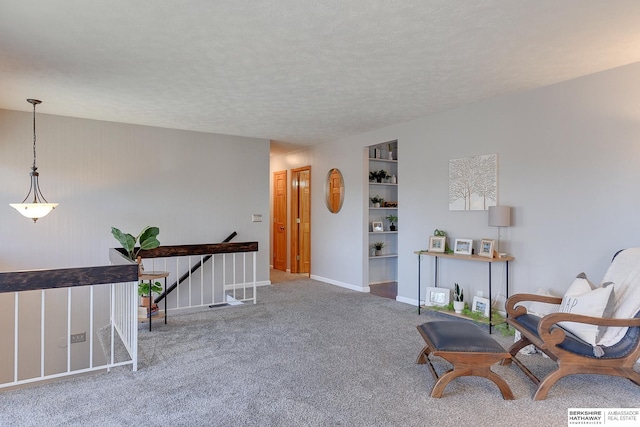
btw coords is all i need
(376, 201)
(481, 305)
(148, 239)
(442, 233)
(486, 248)
(39, 206)
(376, 226)
(463, 247)
(473, 182)
(378, 153)
(392, 220)
(458, 298)
(390, 204)
(378, 248)
(437, 297)
(437, 243)
(393, 179)
(390, 152)
(334, 190)
(499, 216)
(378, 176)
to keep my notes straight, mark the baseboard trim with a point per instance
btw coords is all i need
(410, 301)
(340, 284)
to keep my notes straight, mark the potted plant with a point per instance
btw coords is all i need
(376, 201)
(148, 239)
(392, 220)
(458, 295)
(146, 289)
(378, 248)
(382, 174)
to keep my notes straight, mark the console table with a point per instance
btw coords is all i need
(476, 258)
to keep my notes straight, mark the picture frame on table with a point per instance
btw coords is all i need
(482, 305)
(486, 248)
(463, 247)
(437, 243)
(437, 297)
(377, 227)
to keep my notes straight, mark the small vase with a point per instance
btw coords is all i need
(390, 154)
(392, 227)
(458, 306)
(394, 180)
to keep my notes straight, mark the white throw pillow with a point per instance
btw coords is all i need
(583, 298)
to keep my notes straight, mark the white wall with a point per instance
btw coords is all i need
(569, 162)
(197, 187)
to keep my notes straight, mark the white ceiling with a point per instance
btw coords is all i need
(297, 71)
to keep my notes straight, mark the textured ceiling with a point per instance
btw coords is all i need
(294, 71)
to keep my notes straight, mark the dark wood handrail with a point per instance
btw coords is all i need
(198, 249)
(122, 270)
(17, 281)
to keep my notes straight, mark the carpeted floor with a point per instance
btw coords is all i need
(308, 354)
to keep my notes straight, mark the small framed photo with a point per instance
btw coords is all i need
(463, 247)
(437, 243)
(483, 305)
(438, 297)
(376, 226)
(486, 248)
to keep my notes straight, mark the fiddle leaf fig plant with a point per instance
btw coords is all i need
(148, 239)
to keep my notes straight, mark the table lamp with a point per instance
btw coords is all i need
(499, 216)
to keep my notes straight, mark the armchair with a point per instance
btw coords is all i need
(618, 348)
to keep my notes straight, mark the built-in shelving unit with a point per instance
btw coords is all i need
(383, 267)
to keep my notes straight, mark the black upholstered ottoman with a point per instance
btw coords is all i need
(468, 348)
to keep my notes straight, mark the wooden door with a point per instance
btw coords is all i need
(301, 220)
(280, 220)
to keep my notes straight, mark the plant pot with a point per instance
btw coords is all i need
(376, 205)
(378, 252)
(392, 227)
(144, 301)
(458, 306)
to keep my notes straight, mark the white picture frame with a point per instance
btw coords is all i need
(377, 227)
(463, 247)
(437, 297)
(437, 243)
(487, 248)
(483, 305)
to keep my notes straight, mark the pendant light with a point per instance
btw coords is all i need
(39, 206)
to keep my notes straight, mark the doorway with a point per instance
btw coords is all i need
(280, 220)
(301, 220)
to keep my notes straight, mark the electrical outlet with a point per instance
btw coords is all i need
(256, 218)
(76, 338)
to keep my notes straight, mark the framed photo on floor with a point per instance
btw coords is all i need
(483, 305)
(438, 297)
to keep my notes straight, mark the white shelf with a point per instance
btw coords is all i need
(383, 256)
(373, 159)
(382, 268)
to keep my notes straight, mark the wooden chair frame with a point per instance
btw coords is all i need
(549, 338)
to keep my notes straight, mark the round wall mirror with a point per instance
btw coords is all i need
(334, 190)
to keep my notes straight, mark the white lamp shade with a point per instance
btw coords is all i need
(33, 210)
(499, 216)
